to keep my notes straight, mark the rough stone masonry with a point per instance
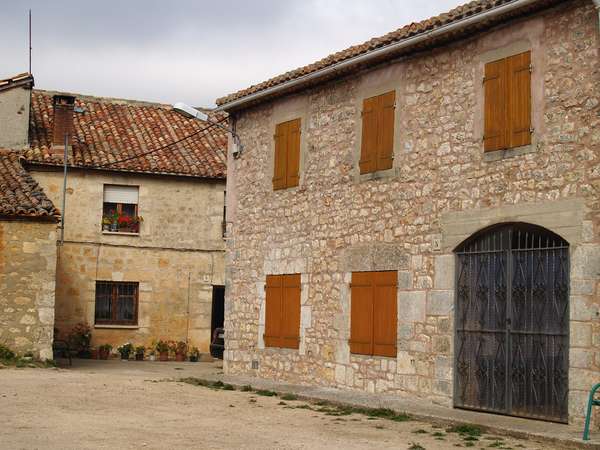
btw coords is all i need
(442, 189)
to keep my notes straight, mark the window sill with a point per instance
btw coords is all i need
(119, 327)
(120, 233)
(378, 175)
(363, 356)
(498, 155)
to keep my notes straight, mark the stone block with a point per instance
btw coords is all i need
(412, 306)
(405, 280)
(444, 275)
(440, 303)
(406, 364)
(581, 334)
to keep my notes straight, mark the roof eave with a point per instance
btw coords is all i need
(374, 55)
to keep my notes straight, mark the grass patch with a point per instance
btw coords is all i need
(465, 430)
(438, 434)
(246, 388)
(420, 431)
(216, 385)
(266, 393)
(415, 446)
(289, 397)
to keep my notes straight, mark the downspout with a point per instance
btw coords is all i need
(597, 6)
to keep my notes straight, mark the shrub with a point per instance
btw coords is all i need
(80, 338)
(6, 353)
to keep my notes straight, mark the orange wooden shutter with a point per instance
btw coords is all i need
(280, 159)
(519, 99)
(361, 314)
(494, 134)
(274, 296)
(384, 313)
(385, 141)
(368, 149)
(290, 314)
(293, 153)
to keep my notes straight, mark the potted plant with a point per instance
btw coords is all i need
(114, 217)
(180, 351)
(104, 351)
(106, 222)
(194, 354)
(139, 352)
(124, 223)
(125, 350)
(135, 224)
(151, 356)
(163, 350)
(79, 340)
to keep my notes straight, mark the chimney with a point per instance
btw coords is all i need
(63, 124)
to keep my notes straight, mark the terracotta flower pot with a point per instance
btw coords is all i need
(103, 354)
(180, 357)
(164, 356)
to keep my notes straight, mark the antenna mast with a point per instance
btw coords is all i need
(30, 41)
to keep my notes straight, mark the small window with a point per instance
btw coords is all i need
(507, 90)
(377, 145)
(120, 209)
(116, 303)
(373, 313)
(282, 317)
(287, 155)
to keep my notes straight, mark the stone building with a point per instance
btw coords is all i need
(27, 260)
(420, 214)
(142, 253)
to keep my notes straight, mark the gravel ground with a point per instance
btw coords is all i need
(128, 405)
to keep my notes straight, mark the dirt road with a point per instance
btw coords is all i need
(129, 405)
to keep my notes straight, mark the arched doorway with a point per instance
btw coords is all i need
(512, 322)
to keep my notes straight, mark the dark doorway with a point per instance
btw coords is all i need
(512, 322)
(218, 308)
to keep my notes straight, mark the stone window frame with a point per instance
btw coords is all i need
(283, 111)
(305, 314)
(523, 43)
(137, 209)
(372, 87)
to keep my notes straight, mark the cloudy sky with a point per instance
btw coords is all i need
(187, 50)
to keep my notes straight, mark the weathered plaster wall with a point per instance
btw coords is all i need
(177, 258)
(14, 117)
(442, 188)
(27, 279)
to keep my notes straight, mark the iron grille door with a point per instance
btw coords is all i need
(512, 323)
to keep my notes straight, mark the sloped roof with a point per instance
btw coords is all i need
(20, 195)
(108, 131)
(408, 31)
(22, 79)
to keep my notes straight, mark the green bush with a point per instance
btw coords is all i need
(6, 353)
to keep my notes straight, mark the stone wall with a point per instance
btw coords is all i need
(177, 258)
(442, 189)
(14, 117)
(27, 279)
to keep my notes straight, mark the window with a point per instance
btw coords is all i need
(282, 318)
(377, 146)
(120, 209)
(373, 316)
(116, 303)
(507, 90)
(287, 155)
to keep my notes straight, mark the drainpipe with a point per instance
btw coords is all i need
(597, 6)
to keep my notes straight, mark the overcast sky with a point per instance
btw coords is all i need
(187, 50)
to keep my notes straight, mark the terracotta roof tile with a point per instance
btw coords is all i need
(111, 130)
(407, 31)
(20, 195)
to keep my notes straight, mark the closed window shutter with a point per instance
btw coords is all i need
(385, 317)
(274, 297)
(519, 99)
(361, 314)
(368, 149)
(385, 147)
(494, 135)
(293, 153)
(290, 315)
(280, 160)
(120, 194)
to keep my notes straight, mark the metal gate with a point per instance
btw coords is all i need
(512, 322)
